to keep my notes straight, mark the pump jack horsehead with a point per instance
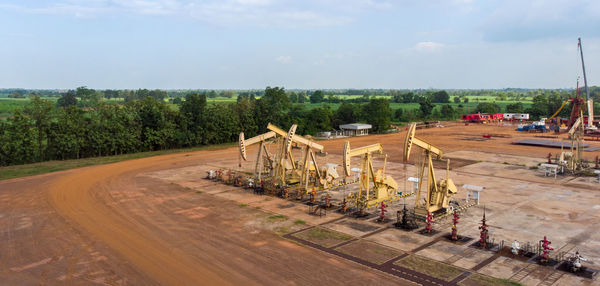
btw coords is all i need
(263, 158)
(439, 192)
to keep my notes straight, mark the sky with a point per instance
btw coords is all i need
(308, 44)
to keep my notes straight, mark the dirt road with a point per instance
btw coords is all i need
(110, 224)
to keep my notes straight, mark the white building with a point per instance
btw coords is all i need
(355, 129)
(516, 116)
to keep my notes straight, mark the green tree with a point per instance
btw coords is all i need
(318, 119)
(17, 140)
(158, 94)
(426, 107)
(302, 97)
(555, 101)
(212, 94)
(346, 113)
(293, 97)
(514, 107)
(332, 98)
(66, 135)
(456, 99)
(17, 94)
(245, 117)
(68, 99)
(409, 97)
(398, 114)
(192, 122)
(221, 124)
(447, 111)
(297, 115)
(441, 97)
(378, 113)
(88, 97)
(272, 108)
(157, 124)
(486, 107)
(227, 93)
(40, 111)
(317, 97)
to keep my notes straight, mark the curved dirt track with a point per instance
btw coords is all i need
(73, 196)
(114, 225)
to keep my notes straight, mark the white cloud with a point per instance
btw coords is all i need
(428, 46)
(261, 13)
(150, 7)
(515, 20)
(254, 2)
(284, 59)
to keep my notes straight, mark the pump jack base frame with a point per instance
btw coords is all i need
(407, 227)
(488, 246)
(551, 263)
(362, 214)
(430, 233)
(384, 221)
(522, 256)
(584, 272)
(460, 241)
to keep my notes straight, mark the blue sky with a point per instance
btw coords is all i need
(297, 44)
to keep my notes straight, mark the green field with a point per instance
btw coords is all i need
(467, 107)
(8, 105)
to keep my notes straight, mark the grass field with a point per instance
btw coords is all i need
(467, 107)
(8, 105)
(53, 166)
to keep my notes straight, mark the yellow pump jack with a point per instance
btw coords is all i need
(264, 160)
(573, 160)
(439, 192)
(384, 187)
(285, 156)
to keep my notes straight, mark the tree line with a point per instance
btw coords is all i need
(80, 124)
(66, 129)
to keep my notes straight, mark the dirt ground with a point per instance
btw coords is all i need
(157, 221)
(114, 225)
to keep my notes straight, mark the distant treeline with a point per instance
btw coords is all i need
(314, 96)
(45, 130)
(80, 124)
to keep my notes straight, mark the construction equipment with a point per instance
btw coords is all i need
(384, 187)
(573, 160)
(439, 193)
(589, 101)
(578, 104)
